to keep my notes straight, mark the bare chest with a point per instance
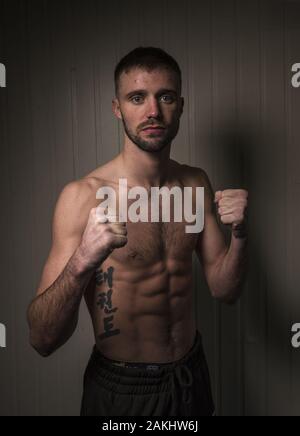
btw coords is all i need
(153, 242)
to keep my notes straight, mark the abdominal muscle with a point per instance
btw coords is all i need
(144, 313)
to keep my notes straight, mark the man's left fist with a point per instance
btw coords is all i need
(232, 205)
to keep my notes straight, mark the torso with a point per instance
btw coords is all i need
(141, 299)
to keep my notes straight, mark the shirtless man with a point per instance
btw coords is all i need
(136, 277)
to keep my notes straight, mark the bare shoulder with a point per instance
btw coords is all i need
(190, 175)
(196, 177)
(78, 192)
(87, 186)
(81, 193)
(75, 202)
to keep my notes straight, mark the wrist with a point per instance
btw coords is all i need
(239, 231)
(78, 264)
(81, 263)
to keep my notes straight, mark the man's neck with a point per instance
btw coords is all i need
(143, 168)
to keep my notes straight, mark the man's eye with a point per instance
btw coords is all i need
(167, 98)
(136, 99)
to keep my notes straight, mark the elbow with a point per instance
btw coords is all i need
(38, 340)
(230, 300)
(228, 293)
(229, 297)
(43, 347)
(44, 352)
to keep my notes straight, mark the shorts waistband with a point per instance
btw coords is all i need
(116, 366)
(124, 379)
(148, 366)
(139, 365)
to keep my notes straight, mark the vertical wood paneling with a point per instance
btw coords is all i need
(7, 299)
(175, 42)
(106, 53)
(83, 87)
(253, 368)
(63, 77)
(274, 189)
(152, 23)
(292, 38)
(20, 166)
(225, 155)
(44, 181)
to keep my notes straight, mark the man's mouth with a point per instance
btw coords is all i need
(153, 129)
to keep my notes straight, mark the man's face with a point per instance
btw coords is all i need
(148, 99)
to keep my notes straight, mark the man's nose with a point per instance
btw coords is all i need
(153, 108)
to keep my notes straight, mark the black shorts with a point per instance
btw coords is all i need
(179, 388)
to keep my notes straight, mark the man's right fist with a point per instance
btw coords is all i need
(101, 237)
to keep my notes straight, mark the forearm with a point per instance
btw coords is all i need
(229, 273)
(53, 315)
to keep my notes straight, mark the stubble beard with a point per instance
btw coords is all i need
(157, 143)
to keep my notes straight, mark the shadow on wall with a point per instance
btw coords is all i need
(256, 162)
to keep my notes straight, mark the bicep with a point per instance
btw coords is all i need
(66, 236)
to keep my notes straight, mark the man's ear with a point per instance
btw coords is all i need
(116, 108)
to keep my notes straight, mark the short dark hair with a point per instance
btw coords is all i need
(148, 58)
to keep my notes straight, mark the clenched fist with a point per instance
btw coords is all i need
(232, 205)
(101, 237)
